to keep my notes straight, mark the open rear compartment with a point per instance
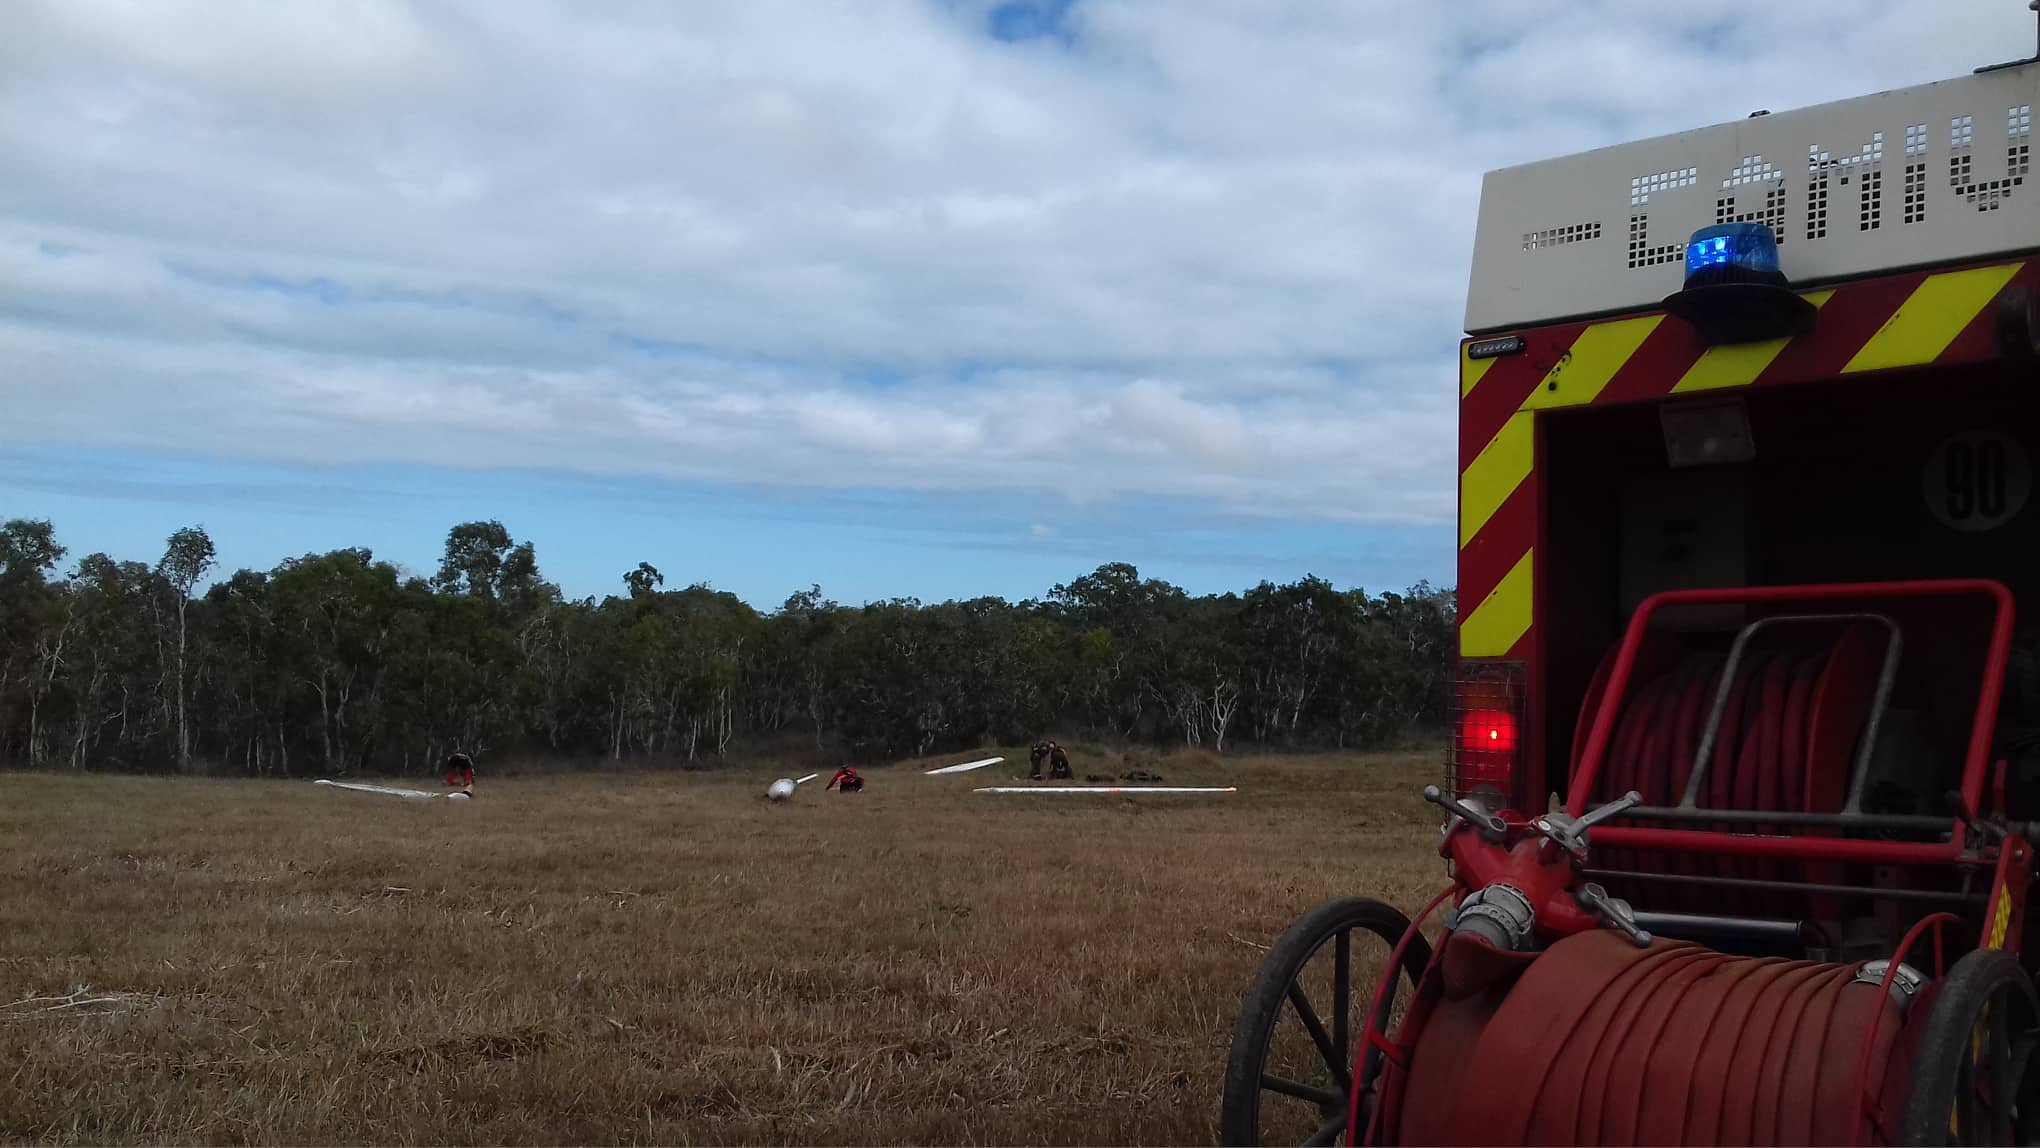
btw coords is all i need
(1854, 704)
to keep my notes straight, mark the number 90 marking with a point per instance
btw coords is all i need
(1977, 481)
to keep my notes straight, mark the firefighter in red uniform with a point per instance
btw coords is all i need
(847, 780)
(460, 772)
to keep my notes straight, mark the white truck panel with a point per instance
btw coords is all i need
(1935, 174)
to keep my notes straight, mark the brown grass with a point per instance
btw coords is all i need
(662, 958)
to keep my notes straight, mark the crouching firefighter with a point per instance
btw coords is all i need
(1050, 751)
(847, 780)
(460, 772)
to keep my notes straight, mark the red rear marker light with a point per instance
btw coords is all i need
(1487, 735)
(1488, 730)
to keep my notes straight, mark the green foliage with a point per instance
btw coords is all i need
(28, 548)
(186, 558)
(337, 663)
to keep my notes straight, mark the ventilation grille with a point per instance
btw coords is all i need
(1561, 236)
(1641, 254)
(1989, 195)
(1644, 186)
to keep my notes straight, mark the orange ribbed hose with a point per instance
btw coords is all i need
(1601, 1043)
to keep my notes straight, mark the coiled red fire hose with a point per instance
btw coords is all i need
(1600, 1042)
(1784, 743)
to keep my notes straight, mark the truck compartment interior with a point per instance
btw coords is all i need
(1852, 501)
(1845, 501)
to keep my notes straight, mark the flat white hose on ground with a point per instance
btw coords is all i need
(1108, 789)
(966, 767)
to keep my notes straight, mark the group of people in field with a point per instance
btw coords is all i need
(848, 780)
(460, 769)
(1052, 752)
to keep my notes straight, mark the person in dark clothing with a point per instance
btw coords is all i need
(1035, 757)
(460, 771)
(847, 780)
(1058, 762)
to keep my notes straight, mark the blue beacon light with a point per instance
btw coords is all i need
(1735, 290)
(1749, 247)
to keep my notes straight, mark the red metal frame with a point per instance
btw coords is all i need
(1856, 310)
(1393, 1054)
(1976, 765)
(1518, 527)
(2003, 924)
(1518, 854)
(1932, 921)
(1534, 767)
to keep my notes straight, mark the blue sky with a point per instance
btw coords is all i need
(929, 298)
(759, 543)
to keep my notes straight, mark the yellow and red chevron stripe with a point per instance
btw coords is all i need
(1879, 324)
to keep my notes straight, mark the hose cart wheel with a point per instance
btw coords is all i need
(1289, 1076)
(1973, 1079)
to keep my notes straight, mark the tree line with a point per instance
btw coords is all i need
(340, 663)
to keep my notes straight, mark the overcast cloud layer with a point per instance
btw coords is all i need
(1173, 249)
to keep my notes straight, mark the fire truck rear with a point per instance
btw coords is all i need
(1747, 426)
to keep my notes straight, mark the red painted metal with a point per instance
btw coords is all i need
(1527, 864)
(1932, 921)
(1415, 1022)
(1638, 724)
(1533, 780)
(1512, 531)
(1848, 321)
(1805, 847)
(1852, 316)
(1793, 848)
(2003, 925)
(1590, 704)
(1785, 742)
(1381, 991)
(1592, 1040)
(1588, 768)
(1837, 1087)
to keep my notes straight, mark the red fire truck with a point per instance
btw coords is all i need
(1747, 425)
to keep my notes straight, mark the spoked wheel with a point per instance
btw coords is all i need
(1973, 1080)
(1289, 1078)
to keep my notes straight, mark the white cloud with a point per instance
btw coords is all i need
(1206, 251)
(1207, 436)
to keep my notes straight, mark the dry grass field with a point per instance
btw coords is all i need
(662, 958)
